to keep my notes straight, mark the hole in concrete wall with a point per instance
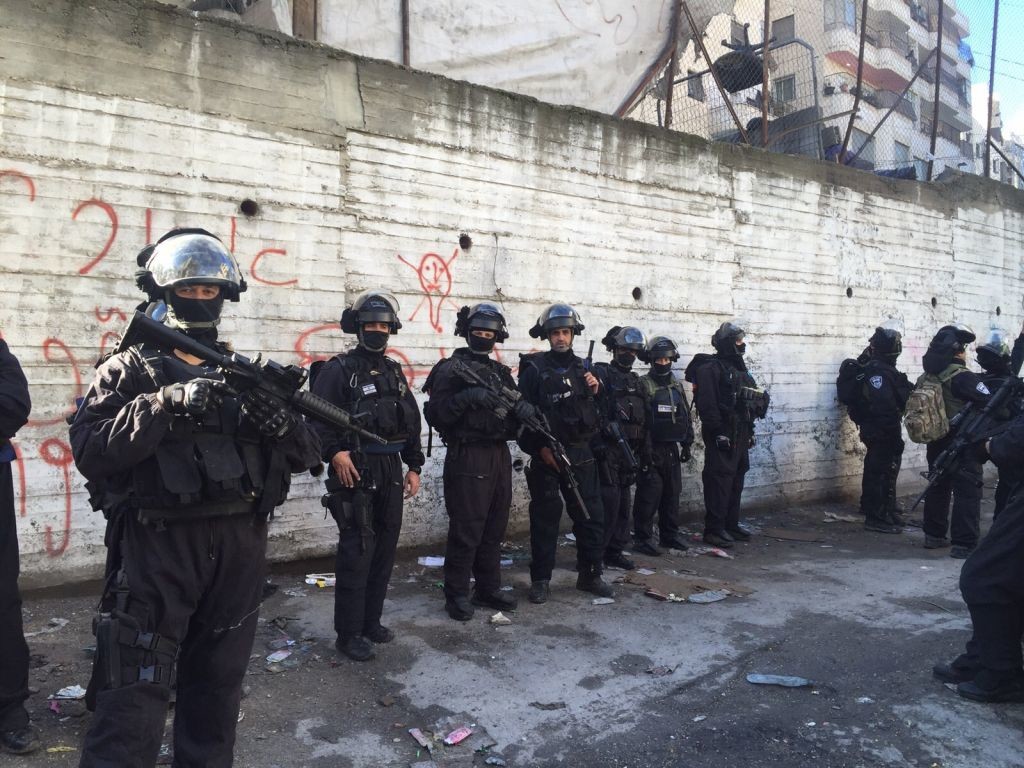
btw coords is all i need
(249, 207)
(999, 311)
(935, 302)
(849, 293)
(637, 294)
(465, 241)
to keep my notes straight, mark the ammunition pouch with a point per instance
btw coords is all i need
(351, 508)
(755, 401)
(125, 655)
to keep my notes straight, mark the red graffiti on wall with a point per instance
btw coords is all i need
(25, 178)
(48, 346)
(105, 316)
(435, 276)
(108, 209)
(57, 453)
(19, 462)
(306, 358)
(266, 281)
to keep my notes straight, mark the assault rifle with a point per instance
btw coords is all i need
(614, 431)
(507, 399)
(969, 427)
(242, 374)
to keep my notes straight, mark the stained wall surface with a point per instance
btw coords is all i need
(119, 120)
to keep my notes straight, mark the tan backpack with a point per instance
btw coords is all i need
(926, 416)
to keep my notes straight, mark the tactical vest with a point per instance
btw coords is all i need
(953, 404)
(376, 396)
(565, 398)
(476, 424)
(626, 400)
(669, 412)
(206, 466)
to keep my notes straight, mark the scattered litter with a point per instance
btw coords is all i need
(386, 701)
(602, 601)
(789, 534)
(281, 621)
(712, 596)
(836, 517)
(55, 706)
(810, 724)
(661, 585)
(951, 686)
(60, 748)
(52, 626)
(661, 671)
(321, 580)
(506, 588)
(293, 592)
(825, 546)
(421, 738)
(241, 716)
(458, 736)
(70, 692)
(548, 706)
(718, 552)
(500, 619)
(645, 571)
(926, 567)
(431, 561)
(495, 760)
(278, 656)
(506, 562)
(865, 700)
(669, 597)
(280, 643)
(700, 718)
(936, 605)
(784, 680)
(570, 536)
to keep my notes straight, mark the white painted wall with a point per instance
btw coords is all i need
(367, 174)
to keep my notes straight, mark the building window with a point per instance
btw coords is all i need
(784, 89)
(840, 13)
(695, 86)
(859, 144)
(901, 154)
(784, 29)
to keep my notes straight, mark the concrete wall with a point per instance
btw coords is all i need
(119, 120)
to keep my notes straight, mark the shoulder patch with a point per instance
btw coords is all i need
(876, 382)
(982, 388)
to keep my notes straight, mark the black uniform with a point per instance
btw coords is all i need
(372, 387)
(477, 473)
(884, 392)
(1010, 475)
(187, 500)
(14, 409)
(554, 383)
(670, 433)
(719, 381)
(992, 585)
(623, 403)
(959, 386)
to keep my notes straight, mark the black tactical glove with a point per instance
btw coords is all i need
(684, 454)
(524, 411)
(270, 414)
(723, 443)
(191, 397)
(475, 397)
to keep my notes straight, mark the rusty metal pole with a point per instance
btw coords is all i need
(892, 109)
(672, 64)
(938, 84)
(860, 80)
(405, 32)
(698, 38)
(991, 89)
(764, 73)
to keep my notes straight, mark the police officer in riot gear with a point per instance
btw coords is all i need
(365, 483)
(728, 401)
(187, 474)
(881, 396)
(622, 446)
(556, 383)
(994, 357)
(946, 358)
(477, 464)
(670, 431)
(16, 734)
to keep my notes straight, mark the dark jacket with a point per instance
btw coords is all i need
(717, 384)
(472, 424)
(885, 393)
(554, 382)
(15, 403)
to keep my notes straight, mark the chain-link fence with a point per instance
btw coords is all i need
(864, 82)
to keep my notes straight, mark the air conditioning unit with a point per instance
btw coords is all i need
(830, 136)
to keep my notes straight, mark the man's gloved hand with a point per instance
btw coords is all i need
(270, 414)
(524, 410)
(476, 397)
(723, 443)
(684, 454)
(191, 397)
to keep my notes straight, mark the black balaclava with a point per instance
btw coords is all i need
(373, 341)
(479, 345)
(661, 370)
(624, 359)
(197, 318)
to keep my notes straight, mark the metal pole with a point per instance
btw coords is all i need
(764, 75)
(405, 33)
(672, 64)
(991, 88)
(938, 84)
(698, 38)
(860, 80)
(892, 109)
(1005, 158)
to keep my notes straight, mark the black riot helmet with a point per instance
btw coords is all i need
(625, 337)
(483, 316)
(371, 307)
(557, 316)
(951, 339)
(660, 346)
(729, 333)
(887, 340)
(994, 354)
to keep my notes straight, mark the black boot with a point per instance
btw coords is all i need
(501, 601)
(993, 687)
(539, 591)
(675, 542)
(618, 560)
(379, 634)
(459, 607)
(880, 523)
(19, 741)
(357, 648)
(590, 581)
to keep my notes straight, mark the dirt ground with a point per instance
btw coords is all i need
(641, 682)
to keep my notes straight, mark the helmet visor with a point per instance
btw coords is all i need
(193, 258)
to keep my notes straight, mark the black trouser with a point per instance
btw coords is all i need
(198, 584)
(616, 498)
(13, 649)
(1009, 481)
(546, 492)
(657, 492)
(366, 555)
(723, 476)
(964, 484)
(881, 470)
(477, 495)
